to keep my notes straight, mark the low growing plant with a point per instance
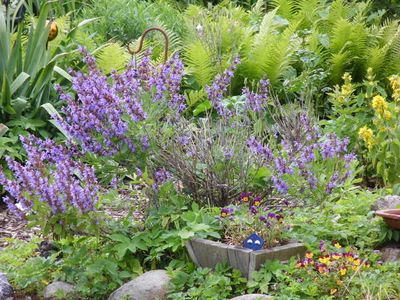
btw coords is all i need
(203, 283)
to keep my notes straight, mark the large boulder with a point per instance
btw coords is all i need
(152, 285)
(6, 290)
(387, 202)
(253, 297)
(59, 288)
(391, 252)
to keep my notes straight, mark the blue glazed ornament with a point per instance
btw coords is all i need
(253, 242)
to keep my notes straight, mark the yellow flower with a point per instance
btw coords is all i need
(347, 87)
(379, 104)
(325, 259)
(367, 135)
(309, 254)
(333, 291)
(357, 262)
(347, 77)
(354, 268)
(337, 245)
(395, 85)
(335, 256)
(387, 115)
(343, 271)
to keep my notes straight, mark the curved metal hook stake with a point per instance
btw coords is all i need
(132, 52)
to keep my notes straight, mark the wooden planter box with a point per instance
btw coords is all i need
(207, 254)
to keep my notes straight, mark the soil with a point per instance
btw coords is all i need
(12, 227)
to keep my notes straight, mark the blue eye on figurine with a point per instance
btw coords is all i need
(253, 242)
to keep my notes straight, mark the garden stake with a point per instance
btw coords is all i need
(166, 45)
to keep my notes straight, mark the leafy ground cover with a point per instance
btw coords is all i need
(272, 117)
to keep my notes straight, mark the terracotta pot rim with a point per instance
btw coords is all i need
(389, 213)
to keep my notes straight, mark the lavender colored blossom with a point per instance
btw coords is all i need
(183, 140)
(100, 113)
(145, 143)
(299, 152)
(228, 154)
(220, 86)
(282, 166)
(50, 175)
(257, 101)
(333, 182)
(257, 148)
(161, 176)
(280, 185)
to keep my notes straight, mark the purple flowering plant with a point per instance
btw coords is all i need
(249, 215)
(306, 162)
(112, 117)
(209, 154)
(51, 189)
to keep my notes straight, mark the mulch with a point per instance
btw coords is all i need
(12, 227)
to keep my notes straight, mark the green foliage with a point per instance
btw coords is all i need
(125, 21)
(202, 284)
(24, 267)
(28, 70)
(347, 220)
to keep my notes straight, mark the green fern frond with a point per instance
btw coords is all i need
(199, 63)
(267, 27)
(194, 97)
(272, 55)
(338, 10)
(307, 10)
(376, 59)
(285, 8)
(338, 63)
(112, 57)
(340, 35)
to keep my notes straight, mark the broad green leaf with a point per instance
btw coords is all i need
(19, 81)
(5, 100)
(117, 237)
(185, 234)
(19, 105)
(200, 227)
(202, 107)
(63, 73)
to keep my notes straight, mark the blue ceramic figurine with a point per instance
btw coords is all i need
(253, 242)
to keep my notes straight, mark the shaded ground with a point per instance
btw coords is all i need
(12, 227)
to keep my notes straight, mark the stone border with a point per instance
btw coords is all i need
(207, 254)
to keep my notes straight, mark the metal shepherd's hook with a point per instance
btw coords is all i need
(133, 52)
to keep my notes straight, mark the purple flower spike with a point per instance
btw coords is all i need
(50, 175)
(220, 86)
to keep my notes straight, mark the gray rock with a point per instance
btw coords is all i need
(253, 297)
(6, 290)
(387, 202)
(152, 285)
(390, 253)
(58, 288)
